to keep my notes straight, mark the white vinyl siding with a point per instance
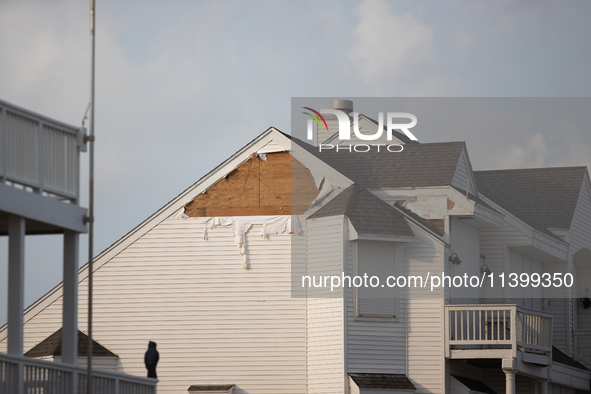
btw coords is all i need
(214, 322)
(466, 244)
(324, 316)
(556, 389)
(376, 259)
(376, 345)
(493, 244)
(517, 292)
(580, 237)
(425, 321)
(528, 297)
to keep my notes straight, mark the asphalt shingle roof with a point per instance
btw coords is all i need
(204, 388)
(546, 196)
(418, 165)
(52, 346)
(559, 357)
(382, 381)
(368, 214)
(474, 385)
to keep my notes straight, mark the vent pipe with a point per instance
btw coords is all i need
(342, 105)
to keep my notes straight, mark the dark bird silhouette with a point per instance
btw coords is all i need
(151, 360)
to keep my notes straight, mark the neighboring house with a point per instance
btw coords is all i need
(51, 349)
(214, 277)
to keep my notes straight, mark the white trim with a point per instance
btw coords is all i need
(309, 160)
(569, 376)
(538, 240)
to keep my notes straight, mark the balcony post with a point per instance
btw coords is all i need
(515, 336)
(509, 370)
(543, 386)
(16, 286)
(70, 299)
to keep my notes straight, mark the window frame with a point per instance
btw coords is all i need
(374, 317)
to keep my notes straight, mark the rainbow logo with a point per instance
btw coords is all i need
(316, 117)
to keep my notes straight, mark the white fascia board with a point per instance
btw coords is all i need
(353, 235)
(465, 206)
(550, 246)
(311, 161)
(538, 240)
(569, 376)
(316, 220)
(464, 387)
(388, 238)
(560, 232)
(481, 212)
(425, 236)
(488, 216)
(385, 193)
(460, 198)
(163, 213)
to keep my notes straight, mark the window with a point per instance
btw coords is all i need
(374, 264)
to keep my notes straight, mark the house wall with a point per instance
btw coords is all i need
(583, 315)
(495, 260)
(579, 236)
(527, 297)
(214, 322)
(556, 389)
(425, 320)
(496, 247)
(376, 345)
(324, 315)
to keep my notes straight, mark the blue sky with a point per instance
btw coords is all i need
(181, 85)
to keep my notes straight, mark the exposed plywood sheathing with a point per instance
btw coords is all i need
(450, 204)
(280, 185)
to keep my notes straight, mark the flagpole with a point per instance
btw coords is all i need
(90, 205)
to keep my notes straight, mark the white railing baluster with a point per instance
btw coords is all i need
(39, 153)
(42, 376)
(468, 325)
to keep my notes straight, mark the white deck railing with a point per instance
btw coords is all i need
(583, 347)
(500, 330)
(20, 375)
(39, 153)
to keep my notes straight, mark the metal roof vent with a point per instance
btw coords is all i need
(342, 105)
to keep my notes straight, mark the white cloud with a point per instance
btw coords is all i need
(394, 53)
(532, 153)
(43, 55)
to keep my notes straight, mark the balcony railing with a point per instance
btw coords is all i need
(39, 153)
(20, 375)
(497, 331)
